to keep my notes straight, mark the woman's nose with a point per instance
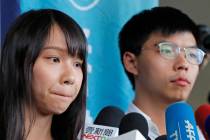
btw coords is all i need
(68, 75)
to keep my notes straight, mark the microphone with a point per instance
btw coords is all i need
(131, 135)
(162, 137)
(180, 122)
(201, 115)
(207, 126)
(133, 121)
(109, 116)
(98, 132)
(105, 125)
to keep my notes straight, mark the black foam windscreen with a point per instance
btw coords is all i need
(133, 121)
(109, 116)
(162, 137)
(207, 126)
(204, 35)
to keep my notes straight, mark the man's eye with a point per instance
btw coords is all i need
(193, 55)
(166, 51)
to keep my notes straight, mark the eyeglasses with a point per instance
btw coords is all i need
(169, 50)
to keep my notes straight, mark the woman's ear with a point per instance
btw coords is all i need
(130, 62)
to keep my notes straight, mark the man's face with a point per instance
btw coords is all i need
(164, 79)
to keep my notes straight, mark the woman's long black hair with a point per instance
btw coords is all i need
(19, 52)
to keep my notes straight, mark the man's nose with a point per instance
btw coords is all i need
(181, 62)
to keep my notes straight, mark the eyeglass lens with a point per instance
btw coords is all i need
(170, 50)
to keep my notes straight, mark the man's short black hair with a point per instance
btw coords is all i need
(164, 20)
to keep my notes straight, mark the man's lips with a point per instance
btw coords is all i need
(181, 81)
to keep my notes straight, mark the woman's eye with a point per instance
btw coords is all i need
(78, 64)
(54, 59)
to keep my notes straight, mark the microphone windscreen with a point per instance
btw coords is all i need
(180, 122)
(131, 135)
(201, 113)
(133, 121)
(109, 116)
(207, 126)
(163, 137)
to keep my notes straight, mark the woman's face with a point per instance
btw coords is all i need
(57, 76)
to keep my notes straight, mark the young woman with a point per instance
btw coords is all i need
(43, 78)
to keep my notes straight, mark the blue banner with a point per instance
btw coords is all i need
(101, 21)
(9, 11)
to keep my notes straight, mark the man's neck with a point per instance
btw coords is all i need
(155, 110)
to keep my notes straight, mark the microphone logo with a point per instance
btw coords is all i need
(189, 130)
(98, 132)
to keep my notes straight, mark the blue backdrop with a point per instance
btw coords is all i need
(101, 21)
(9, 10)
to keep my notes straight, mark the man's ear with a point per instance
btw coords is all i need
(130, 62)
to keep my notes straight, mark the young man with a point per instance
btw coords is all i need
(160, 54)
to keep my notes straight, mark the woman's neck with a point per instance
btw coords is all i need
(40, 129)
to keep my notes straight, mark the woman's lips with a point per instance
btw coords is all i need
(61, 94)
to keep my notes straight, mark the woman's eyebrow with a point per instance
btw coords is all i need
(54, 48)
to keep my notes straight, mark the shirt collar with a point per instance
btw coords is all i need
(153, 129)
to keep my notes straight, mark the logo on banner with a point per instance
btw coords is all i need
(84, 6)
